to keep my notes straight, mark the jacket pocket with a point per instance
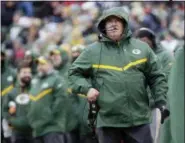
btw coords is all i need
(138, 101)
(137, 87)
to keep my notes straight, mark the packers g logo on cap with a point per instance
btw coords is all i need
(136, 51)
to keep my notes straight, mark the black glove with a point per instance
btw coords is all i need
(165, 113)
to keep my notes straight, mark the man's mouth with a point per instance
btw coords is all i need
(112, 29)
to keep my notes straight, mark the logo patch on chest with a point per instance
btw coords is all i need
(10, 78)
(45, 85)
(22, 99)
(136, 51)
(34, 81)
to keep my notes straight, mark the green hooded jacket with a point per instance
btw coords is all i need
(19, 121)
(8, 80)
(120, 71)
(165, 57)
(48, 111)
(72, 101)
(173, 130)
(166, 60)
(64, 67)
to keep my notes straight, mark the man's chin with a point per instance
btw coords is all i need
(115, 38)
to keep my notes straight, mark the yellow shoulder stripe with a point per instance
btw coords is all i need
(107, 67)
(131, 64)
(69, 90)
(82, 95)
(134, 63)
(41, 95)
(7, 90)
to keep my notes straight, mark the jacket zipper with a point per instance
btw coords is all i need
(128, 99)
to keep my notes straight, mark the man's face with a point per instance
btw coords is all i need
(147, 40)
(56, 59)
(114, 28)
(43, 69)
(25, 75)
(75, 55)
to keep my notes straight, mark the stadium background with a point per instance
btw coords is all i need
(40, 26)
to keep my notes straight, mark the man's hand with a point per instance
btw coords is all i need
(92, 94)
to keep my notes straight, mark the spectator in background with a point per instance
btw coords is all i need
(60, 61)
(8, 80)
(19, 51)
(166, 59)
(150, 20)
(169, 42)
(8, 9)
(16, 107)
(48, 109)
(26, 7)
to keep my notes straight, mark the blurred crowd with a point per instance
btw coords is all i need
(41, 26)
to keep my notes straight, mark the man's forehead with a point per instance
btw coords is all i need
(27, 69)
(113, 17)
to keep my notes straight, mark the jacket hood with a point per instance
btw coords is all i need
(118, 12)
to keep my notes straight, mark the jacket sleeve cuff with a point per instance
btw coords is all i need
(85, 90)
(160, 104)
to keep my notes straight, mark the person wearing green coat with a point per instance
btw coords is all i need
(165, 57)
(174, 131)
(61, 64)
(8, 80)
(16, 106)
(166, 60)
(60, 61)
(82, 107)
(48, 109)
(121, 67)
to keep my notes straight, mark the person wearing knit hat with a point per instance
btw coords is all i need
(166, 59)
(76, 51)
(60, 61)
(48, 108)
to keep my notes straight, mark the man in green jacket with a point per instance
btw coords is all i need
(85, 133)
(120, 67)
(60, 61)
(16, 106)
(48, 109)
(8, 79)
(166, 59)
